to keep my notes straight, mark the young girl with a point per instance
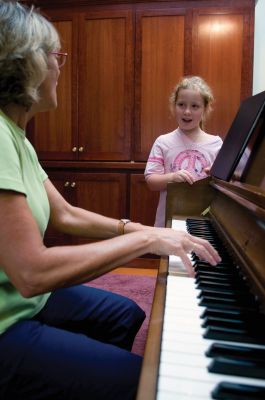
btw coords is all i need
(185, 154)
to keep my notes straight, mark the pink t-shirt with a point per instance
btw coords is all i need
(175, 151)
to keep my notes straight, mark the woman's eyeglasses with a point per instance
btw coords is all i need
(60, 57)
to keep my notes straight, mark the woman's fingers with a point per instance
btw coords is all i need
(205, 251)
(179, 243)
(187, 263)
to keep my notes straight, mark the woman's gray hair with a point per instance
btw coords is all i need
(26, 39)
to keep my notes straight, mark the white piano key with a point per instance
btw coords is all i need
(202, 375)
(175, 263)
(181, 396)
(183, 387)
(179, 224)
(180, 347)
(183, 358)
(187, 387)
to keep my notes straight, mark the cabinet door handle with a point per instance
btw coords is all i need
(74, 149)
(66, 184)
(73, 184)
(81, 149)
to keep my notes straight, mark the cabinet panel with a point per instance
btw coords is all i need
(143, 201)
(160, 63)
(102, 193)
(62, 181)
(105, 85)
(54, 130)
(218, 47)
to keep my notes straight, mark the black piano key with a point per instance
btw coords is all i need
(225, 323)
(236, 351)
(250, 324)
(221, 278)
(228, 290)
(223, 268)
(233, 366)
(233, 391)
(208, 269)
(240, 313)
(234, 335)
(226, 302)
(205, 234)
(236, 296)
(210, 284)
(223, 274)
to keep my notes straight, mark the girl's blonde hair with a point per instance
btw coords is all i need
(198, 84)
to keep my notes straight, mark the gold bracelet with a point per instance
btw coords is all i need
(121, 225)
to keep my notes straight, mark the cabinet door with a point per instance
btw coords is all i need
(143, 201)
(63, 182)
(103, 193)
(55, 132)
(159, 65)
(105, 85)
(222, 53)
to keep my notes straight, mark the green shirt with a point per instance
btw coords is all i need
(20, 171)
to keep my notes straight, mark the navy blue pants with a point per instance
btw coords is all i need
(77, 347)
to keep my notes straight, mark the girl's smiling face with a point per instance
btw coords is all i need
(189, 110)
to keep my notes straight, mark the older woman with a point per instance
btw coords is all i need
(59, 339)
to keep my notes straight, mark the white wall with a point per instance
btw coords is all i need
(259, 48)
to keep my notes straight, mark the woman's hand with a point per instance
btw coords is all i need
(172, 242)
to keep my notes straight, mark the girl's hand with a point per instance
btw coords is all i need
(207, 170)
(182, 176)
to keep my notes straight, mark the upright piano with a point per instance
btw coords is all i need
(206, 336)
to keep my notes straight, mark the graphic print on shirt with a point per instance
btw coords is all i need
(191, 160)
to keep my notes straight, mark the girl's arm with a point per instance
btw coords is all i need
(159, 182)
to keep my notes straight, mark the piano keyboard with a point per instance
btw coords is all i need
(184, 367)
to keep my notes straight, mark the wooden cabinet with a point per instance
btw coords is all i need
(143, 202)
(159, 65)
(55, 133)
(105, 81)
(98, 192)
(125, 58)
(214, 42)
(222, 52)
(95, 90)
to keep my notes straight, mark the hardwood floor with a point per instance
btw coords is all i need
(136, 271)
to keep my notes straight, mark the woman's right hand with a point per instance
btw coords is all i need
(169, 241)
